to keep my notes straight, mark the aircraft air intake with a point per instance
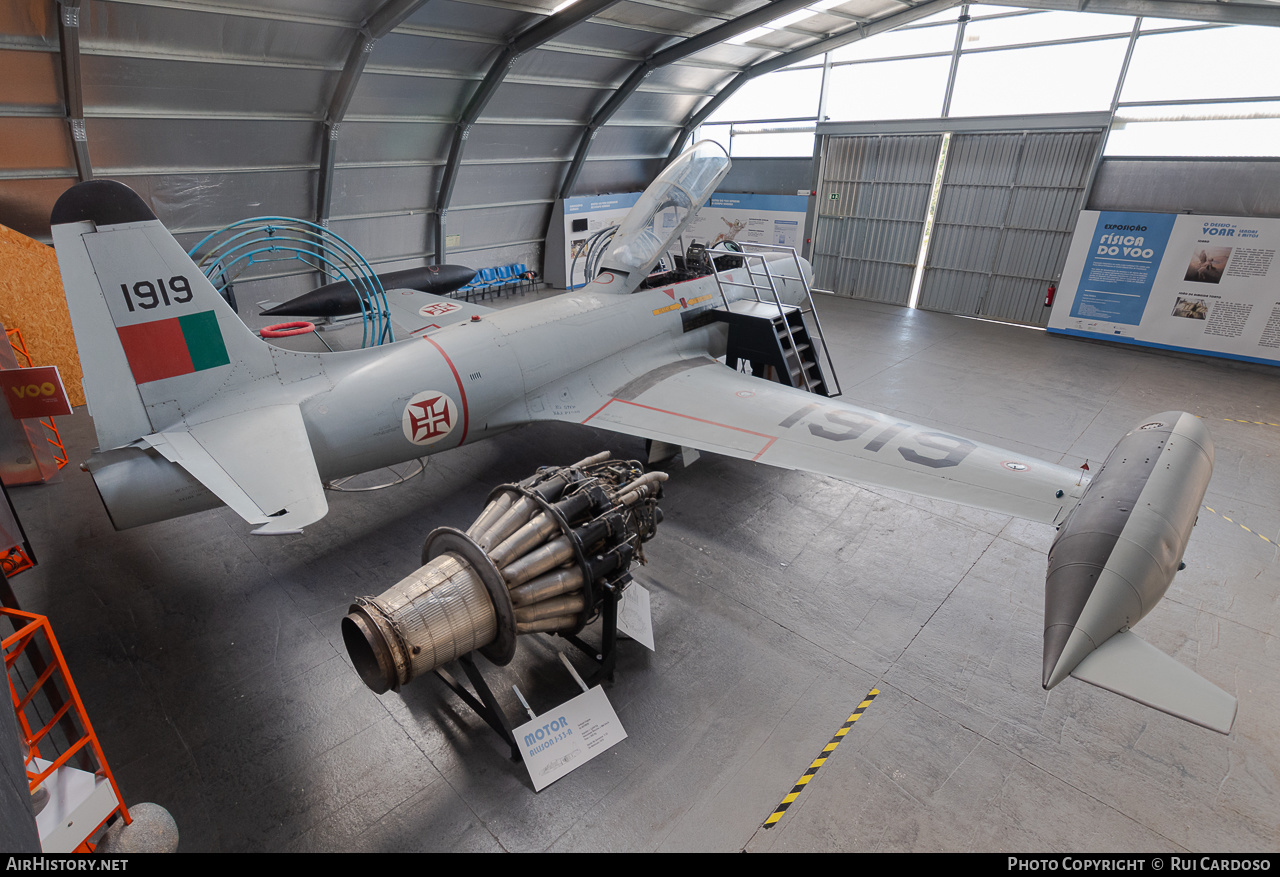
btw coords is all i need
(542, 558)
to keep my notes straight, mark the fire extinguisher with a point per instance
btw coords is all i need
(1050, 293)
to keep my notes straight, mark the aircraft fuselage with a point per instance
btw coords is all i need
(474, 379)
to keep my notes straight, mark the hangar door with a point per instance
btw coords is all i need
(1005, 214)
(872, 204)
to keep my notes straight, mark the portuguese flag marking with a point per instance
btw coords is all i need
(177, 346)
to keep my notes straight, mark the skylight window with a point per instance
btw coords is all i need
(784, 21)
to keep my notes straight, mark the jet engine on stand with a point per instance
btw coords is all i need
(547, 555)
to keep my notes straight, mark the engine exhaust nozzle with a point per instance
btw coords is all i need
(532, 562)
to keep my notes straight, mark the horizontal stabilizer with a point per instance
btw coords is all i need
(421, 313)
(1131, 667)
(258, 462)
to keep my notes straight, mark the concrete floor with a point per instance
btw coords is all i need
(213, 668)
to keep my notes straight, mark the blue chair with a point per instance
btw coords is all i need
(521, 271)
(472, 285)
(488, 281)
(506, 277)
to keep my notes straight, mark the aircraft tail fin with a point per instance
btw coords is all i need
(155, 338)
(157, 343)
(1129, 666)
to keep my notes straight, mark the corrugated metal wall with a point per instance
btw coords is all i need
(769, 176)
(867, 240)
(1236, 187)
(219, 111)
(1006, 211)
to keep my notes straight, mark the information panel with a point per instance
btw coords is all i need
(567, 738)
(35, 392)
(757, 219)
(1200, 284)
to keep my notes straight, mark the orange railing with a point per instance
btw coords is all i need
(68, 713)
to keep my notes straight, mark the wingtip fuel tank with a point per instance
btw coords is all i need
(1115, 557)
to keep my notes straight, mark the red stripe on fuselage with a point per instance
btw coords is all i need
(461, 392)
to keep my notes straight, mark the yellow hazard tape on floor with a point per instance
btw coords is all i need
(819, 761)
(1241, 526)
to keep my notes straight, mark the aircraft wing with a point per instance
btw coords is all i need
(258, 462)
(703, 404)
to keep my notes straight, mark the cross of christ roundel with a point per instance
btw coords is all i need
(429, 417)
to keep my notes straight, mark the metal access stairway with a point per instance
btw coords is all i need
(773, 339)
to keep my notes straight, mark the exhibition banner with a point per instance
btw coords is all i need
(1120, 268)
(756, 219)
(34, 392)
(582, 218)
(589, 214)
(1200, 284)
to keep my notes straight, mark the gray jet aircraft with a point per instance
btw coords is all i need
(192, 410)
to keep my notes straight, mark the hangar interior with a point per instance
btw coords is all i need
(948, 149)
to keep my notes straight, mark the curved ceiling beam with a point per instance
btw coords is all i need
(544, 31)
(861, 32)
(72, 88)
(372, 29)
(670, 55)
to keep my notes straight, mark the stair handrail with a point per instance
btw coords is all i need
(817, 322)
(782, 314)
(758, 251)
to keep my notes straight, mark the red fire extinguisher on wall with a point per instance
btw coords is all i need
(1050, 293)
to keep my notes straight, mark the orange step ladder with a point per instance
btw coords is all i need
(80, 801)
